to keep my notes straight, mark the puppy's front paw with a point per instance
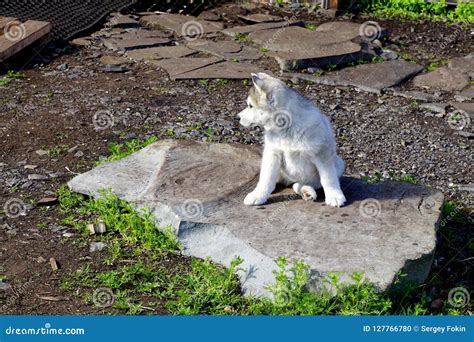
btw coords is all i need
(336, 199)
(255, 198)
(308, 193)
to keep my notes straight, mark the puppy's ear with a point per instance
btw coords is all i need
(258, 82)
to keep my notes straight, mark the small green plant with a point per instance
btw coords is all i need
(57, 150)
(241, 37)
(210, 134)
(407, 57)
(310, 27)
(15, 74)
(319, 73)
(4, 82)
(118, 151)
(264, 50)
(435, 65)
(377, 177)
(246, 82)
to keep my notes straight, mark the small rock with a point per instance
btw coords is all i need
(40, 260)
(30, 167)
(85, 41)
(113, 60)
(5, 286)
(115, 68)
(78, 154)
(68, 235)
(26, 185)
(62, 67)
(54, 264)
(41, 152)
(47, 201)
(97, 246)
(435, 107)
(37, 177)
(96, 228)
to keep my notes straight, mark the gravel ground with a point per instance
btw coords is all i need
(65, 88)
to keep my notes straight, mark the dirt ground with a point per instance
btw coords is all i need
(52, 109)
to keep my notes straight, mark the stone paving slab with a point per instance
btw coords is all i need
(182, 25)
(198, 189)
(443, 78)
(260, 18)
(224, 70)
(453, 77)
(141, 33)
(297, 47)
(159, 53)
(246, 29)
(226, 49)
(373, 77)
(124, 21)
(348, 30)
(176, 66)
(466, 95)
(134, 43)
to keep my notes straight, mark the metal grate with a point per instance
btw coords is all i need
(68, 17)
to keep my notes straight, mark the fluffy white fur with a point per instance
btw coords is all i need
(300, 148)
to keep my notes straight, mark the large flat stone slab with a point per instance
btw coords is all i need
(223, 70)
(160, 53)
(134, 43)
(198, 189)
(226, 49)
(453, 77)
(374, 77)
(348, 30)
(177, 66)
(183, 25)
(297, 47)
(246, 29)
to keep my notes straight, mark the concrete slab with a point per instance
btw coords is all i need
(198, 189)
(374, 77)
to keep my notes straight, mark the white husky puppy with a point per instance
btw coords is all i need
(299, 149)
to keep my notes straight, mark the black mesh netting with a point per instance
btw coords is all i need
(68, 17)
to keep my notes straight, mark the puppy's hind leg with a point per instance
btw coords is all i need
(306, 191)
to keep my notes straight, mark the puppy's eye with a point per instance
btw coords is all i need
(250, 106)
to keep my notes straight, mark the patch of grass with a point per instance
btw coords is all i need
(246, 82)
(15, 74)
(264, 50)
(56, 151)
(391, 176)
(210, 86)
(241, 37)
(310, 27)
(118, 151)
(421, 10)
(319, 73)
(435, 65)
(210, 134)
(4, 82)
(407, 57)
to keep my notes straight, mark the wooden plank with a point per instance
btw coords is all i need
(4, 21)
(21, 36)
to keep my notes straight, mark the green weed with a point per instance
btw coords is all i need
(118, 151)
